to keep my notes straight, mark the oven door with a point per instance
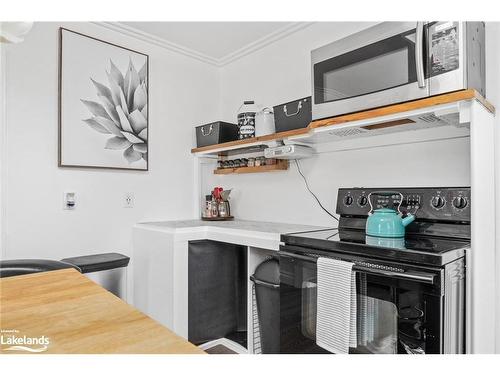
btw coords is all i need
(395, 313)
(382, 65)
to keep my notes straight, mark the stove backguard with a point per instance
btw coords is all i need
(442, 212)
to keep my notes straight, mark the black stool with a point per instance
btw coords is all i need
(16, 267)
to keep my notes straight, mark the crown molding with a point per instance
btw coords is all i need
(264, 41)
(245, 50)
(157, 41)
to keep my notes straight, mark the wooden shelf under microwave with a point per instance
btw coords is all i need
(397, 117)
(281, 165)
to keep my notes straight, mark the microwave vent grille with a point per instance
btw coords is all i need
(349, 132)
(443, 120)
(430, 118)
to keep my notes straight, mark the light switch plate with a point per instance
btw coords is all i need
(69, 200)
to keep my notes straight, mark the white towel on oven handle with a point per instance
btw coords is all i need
(336, 306)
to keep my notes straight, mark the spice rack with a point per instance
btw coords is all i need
(281, 165)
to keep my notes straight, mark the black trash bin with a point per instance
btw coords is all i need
(267, 293)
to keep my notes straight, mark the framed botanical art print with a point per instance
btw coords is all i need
(103, 104)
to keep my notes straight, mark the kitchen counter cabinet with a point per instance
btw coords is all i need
(80, 317)
(160, 260)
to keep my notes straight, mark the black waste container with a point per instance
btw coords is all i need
(267, 293)
(217, 292)
(108, 270)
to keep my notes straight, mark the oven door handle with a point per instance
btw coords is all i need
(423, 277)
(419, 54)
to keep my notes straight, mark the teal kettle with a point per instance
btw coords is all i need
(387, 222)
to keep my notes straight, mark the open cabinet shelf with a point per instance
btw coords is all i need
(281, 165)
(425, 115)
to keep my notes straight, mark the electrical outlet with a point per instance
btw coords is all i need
(128, 200)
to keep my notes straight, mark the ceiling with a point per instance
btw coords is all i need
(214, 42)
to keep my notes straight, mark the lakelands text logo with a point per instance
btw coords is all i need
(11, 340)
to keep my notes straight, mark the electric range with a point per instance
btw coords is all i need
(417, 282)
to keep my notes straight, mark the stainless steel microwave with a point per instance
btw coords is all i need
(394, 62)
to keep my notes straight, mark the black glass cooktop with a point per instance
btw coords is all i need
(414, 249)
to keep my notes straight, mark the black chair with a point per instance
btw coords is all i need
(16, 267)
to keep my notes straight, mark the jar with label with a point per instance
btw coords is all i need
(246, 119)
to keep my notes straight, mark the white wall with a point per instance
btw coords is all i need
(493, 94)
(281, 72)
(181, 96)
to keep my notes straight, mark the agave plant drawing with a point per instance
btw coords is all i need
(122, 111)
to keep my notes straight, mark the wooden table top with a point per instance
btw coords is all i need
(77, 315)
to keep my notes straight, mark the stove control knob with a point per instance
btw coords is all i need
(460, 202)
(438, 202)
(362, 201)
(348, 200)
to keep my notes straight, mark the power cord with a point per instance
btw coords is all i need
(310, 191)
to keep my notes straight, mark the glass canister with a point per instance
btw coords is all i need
(246, 119)
(264, 122)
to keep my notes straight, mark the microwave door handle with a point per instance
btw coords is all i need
(419, 54)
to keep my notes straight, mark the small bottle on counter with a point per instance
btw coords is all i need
(207, 208)
(214, 207)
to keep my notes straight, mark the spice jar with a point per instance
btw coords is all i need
(260, 161)
(251, 162)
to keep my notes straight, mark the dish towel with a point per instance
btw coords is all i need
(336, 303)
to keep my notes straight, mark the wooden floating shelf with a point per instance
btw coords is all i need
(377, 121)
(281, 165)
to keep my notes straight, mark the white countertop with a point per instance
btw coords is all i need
(254, 226)
(245, 232)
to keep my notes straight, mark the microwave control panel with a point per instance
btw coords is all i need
(449, 204)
